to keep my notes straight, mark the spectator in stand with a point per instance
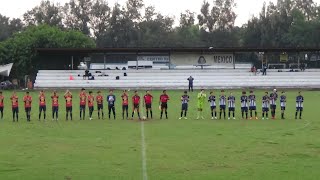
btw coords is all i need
(264, 70)
(190, 79)
(254, 70)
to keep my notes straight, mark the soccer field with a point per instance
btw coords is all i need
(161, 149)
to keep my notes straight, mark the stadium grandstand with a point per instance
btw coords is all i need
(159, 68)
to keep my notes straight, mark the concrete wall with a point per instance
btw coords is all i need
(211, 59)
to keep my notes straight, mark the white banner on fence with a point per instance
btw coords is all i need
(154, 58)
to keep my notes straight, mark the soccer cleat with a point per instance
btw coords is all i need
(250, 118)
(215, 118)
(263, 118)
(180, 117)
(202, 117)
(228, 118)
(267, 118)
(212, 118)
(90, 119)
(198, 118)
(256, 118)
(185, 118)
(234, 118)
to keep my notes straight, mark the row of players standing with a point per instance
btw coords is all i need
(85, 99)
(248, 103)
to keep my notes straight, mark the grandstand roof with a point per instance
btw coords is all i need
(168, 50)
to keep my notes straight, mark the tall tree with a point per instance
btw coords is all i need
(46, 13)
(77, 15)
(100, 18)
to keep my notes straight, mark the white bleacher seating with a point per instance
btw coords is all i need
(177, 79)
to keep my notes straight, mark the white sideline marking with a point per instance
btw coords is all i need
(143, 153)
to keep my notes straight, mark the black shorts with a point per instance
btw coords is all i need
(15, 109)
(42, 108)
(252, 108)
(273, 106)
(164, 106)
(231, 109)
(27, 109)
(299, 108)
(184, 107)
(245, 109)
(283, 108)
(69, 109)
(265, 109)
(100, 107)
(55, 108)
(82, 107)
(91, 108)
(148, 106)
(222, 107)
(213, 108)
(125, 107)
(1, 109)
(136, 106)
(111, 107)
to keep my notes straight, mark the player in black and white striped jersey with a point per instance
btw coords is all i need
(222, 102)
(213, 106)
(231, 105)
(252, 105)
(299, 105)
(265, 106)
(273, 103)
(244, 104)
(283, 101)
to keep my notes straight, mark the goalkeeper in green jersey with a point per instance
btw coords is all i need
(201, 100)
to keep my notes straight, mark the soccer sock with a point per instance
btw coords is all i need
(296, 114)
(233, 113)
(44, 115)
(147, 114)
(211, 113)
(263, 114)
(266, 114)
(185, 113)
(80, 114)
(250, 113)
(242, 113)
(151, 114)
(13, 116)
(181, 114)
(132, 114)
(56, 114)
(39, 115)
(99, 114)
(246, 115)
(52, 114)
(1, 114)
(139, 115)
(114, 113)
(27, 115)
(84, 114)
(255, 113)
(71, 116)
(103, 114)
(224, 114)
(215, 114)
(67, 115)
(229, 114)
(166, 114)
(109, 114)
(300, 114)
(161, 114)
(220, 114)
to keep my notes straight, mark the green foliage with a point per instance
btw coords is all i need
(19, 49)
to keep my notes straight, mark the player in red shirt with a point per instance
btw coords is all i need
(136, 104)
(68, 98)
(55, 105)
(83, 102)
(125, 103)
(27, 99)
(164, 98)
(15, 106)
(42, 105)
(1, 104)
(99, 100)
(90, 104)
(148, 103)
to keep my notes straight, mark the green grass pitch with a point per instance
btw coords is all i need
(175, 149)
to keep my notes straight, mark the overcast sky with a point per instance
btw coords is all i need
(245, 8)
